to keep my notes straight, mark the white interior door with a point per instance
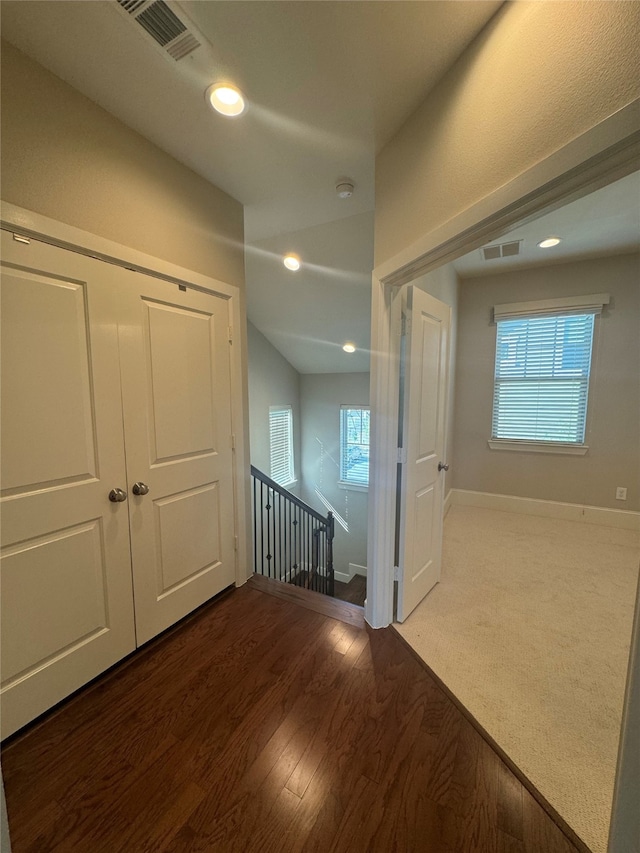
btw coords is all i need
(65, 573)
(176, 391)
(423, 441)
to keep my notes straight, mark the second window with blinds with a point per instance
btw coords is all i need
(281, 445)
(354, 446)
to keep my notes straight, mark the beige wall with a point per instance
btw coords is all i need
(66, 158)
(539, 75)
(613, 417)
(272, 382)
(322, 394)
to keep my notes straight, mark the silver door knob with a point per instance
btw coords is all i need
(140, 489)
(116, 496)
(442, 466)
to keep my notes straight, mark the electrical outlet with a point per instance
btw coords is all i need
(621, 493)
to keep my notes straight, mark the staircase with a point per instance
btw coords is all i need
(292, 542)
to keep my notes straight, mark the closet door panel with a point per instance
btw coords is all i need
(37, 578)
(178, 349)
(175, 365)
(64, 560)
(188, 528)
(47, 425)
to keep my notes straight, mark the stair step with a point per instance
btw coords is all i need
(333, 607)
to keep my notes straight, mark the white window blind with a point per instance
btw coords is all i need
(542, 378)
(281, 444)
(354, 445)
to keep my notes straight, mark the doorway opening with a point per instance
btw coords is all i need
(585, 261)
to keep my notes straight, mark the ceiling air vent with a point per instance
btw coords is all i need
(503, 250)
(131, 5)
(163, 25)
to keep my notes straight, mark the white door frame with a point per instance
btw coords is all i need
(30, 224)
(608, 151)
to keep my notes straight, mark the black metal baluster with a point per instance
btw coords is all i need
(309, 554)
(303, 545)
(287, 532)
(330, 553)
(280, 535)
(255, 527)
(322, 560)
(296, 542)
(306, 549)
(273, 523)
(269, 554)
(262, 527)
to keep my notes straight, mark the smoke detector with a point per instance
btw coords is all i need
(345, 188)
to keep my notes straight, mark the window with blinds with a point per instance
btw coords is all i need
(354, 445)
(542, 378)
(281, 444)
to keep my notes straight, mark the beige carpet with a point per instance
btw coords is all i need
(530, 628)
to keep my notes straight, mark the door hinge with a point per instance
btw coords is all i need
(233, 441)
(20, 238)
(235, 543)
(396, 573)
(405, 326)
(230, 334)
(402, 456)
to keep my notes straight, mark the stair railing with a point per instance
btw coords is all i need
(292, 542)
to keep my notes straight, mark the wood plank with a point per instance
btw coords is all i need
(510, 810)
(332, 607)
(513, 768)
(354, 592)
(260, 725)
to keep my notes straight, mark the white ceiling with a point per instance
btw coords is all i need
(328, 84)
(605, 222)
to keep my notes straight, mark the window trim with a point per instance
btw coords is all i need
(592, 304)
(565, 306)
(353, 487)
(352, 484)
(292, 462)
(533, 446)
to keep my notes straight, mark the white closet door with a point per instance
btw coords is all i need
(65, 572)
(175, 366)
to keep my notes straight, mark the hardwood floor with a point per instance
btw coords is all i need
(355, 591)
(260, 725)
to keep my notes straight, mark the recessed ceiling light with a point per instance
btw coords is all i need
(549, 242)
(291, 262)
(225, 99)
(349, 348)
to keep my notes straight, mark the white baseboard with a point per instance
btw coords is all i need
(354, 569)
(448, 503)
(548, 509)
